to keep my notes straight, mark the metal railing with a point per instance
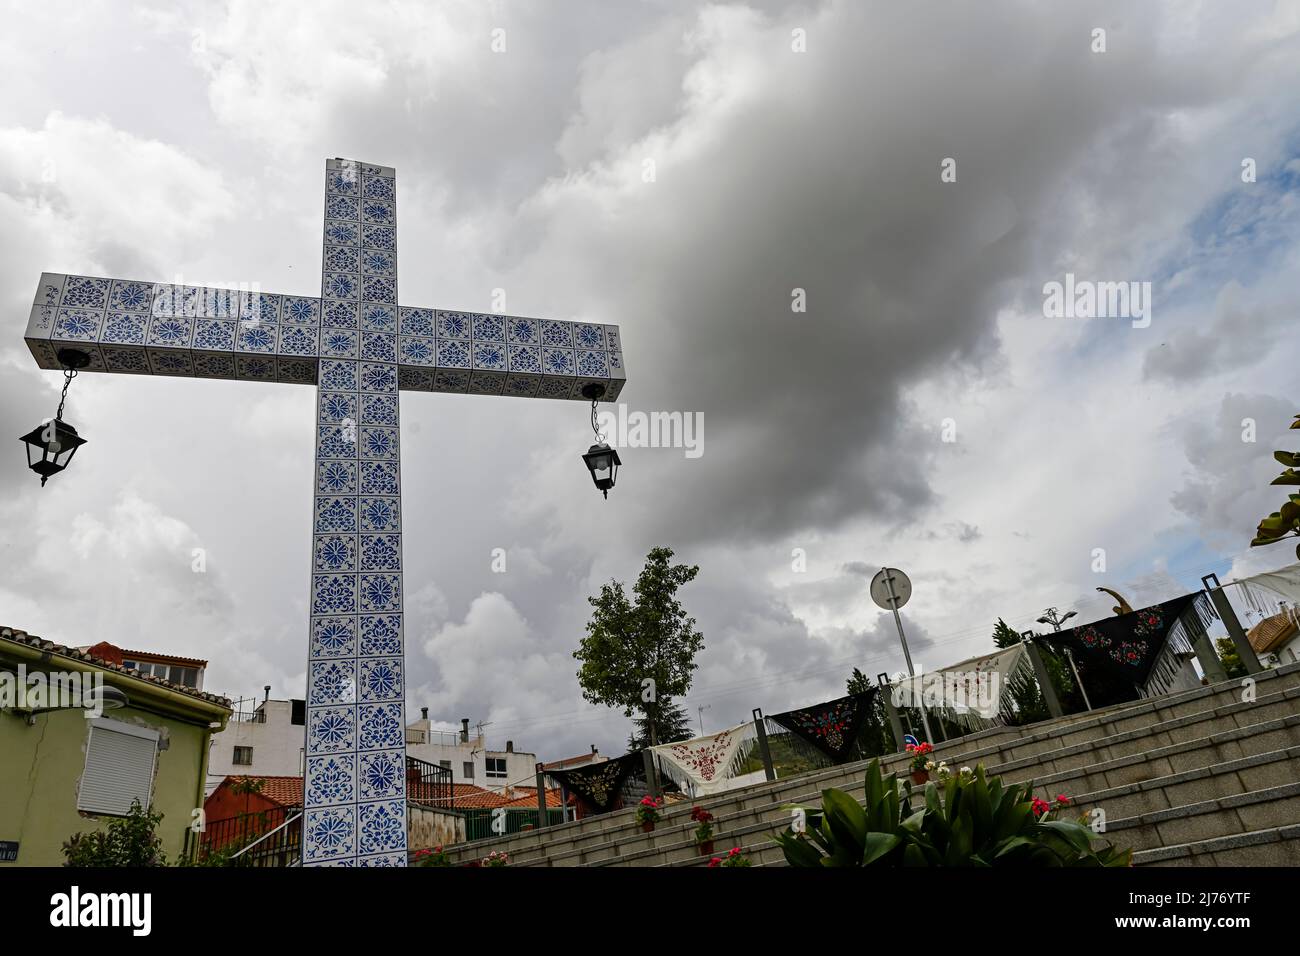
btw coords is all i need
(271, 837)
(428, 783)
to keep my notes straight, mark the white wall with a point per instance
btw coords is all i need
(277, 746)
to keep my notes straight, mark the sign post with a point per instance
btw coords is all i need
(891, 589)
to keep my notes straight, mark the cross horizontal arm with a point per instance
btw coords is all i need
(150, 328)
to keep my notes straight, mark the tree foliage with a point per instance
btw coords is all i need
(129, 841)
(650, 638)
(1284, 522)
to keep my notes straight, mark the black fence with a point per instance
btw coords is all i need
(428, 783)
(271, 837)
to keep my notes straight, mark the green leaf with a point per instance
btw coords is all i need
(878, 846)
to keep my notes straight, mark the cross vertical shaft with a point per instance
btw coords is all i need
(354, 788)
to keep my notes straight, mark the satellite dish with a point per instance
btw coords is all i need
(891, 588)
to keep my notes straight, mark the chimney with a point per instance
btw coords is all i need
(424, 713)
(510, 746)
(464, 730)
(593, 748)
(267, 691)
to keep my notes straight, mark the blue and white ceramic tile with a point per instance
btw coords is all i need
(339, 315)
(334, 637)
(259, 308)
(50, 289)
(335, 552)
(415, 350)
(341, 376)
(379, 237)
(214, 336)
(379, 318)
(256, 368)
(331, 682)
(381, 635)
(77, 325)
(490, 356)
(380, 593)
(175, 300)
(218, 304)
(378, 444)
(297, 371)
(414, 379)
(339, 343)
(521, 331)
(451, 380)
(256, 338)
(587, 336)
(488, 328)
(131, 361)
(214, 365)
(450, 353)
(591, 365)
(343, 286)
(381, 552)
(380, 726)
(337, 478)
(378, 377)
(379, 410)
(85, 292)
(416, 322)
(379, 289)
(344, 259)
(130, 296)
(340, 232)
(331, 729)
(453, 325)
(379, 347)
(613, 341)
(125, 328)
(379, 478)
(382, 773)
(329, 832)
(298, 340)
(487, 383)
(300, 311)
(379, 514)
(41, 321)
(556, 334)
(379, 263)
(171, 362)
(171, 332)
(331, 780)
(380, 680)
(522, 385)
(383, 826)
(557, 361)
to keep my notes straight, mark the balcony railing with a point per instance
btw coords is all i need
(428, 783)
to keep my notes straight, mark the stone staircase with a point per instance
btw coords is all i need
(1201, 778)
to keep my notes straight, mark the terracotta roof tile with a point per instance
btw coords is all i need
(31, 640)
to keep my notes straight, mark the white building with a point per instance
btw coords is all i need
(468, 756)
(269, 741)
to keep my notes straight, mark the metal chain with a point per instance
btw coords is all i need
(595, 427)
(68, 375)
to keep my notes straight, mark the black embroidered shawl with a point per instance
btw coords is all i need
(1128, 646)
(832, 727)
(598, 784)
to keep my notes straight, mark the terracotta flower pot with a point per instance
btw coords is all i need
(920, 776)
(706, 848)
(648, 826)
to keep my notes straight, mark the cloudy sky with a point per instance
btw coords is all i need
(922, 411)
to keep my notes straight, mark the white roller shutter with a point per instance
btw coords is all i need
(119, 767)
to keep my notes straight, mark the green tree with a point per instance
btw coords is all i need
(1231, 659)
(1004, 635)
(1284, 522)
(671, 724)
(630, 643)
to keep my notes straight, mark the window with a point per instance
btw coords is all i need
(298, 713)
(243, 757)
(467, 770)
(496, 767)
(120, 760)
(445, 764)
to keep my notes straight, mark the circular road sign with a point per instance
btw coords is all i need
(887, 579)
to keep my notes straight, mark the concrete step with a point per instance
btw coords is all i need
(1053, 752)
(1275, 846)
(1192, 771)
(1143, 774)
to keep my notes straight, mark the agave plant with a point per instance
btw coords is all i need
(965, 819)
(1286, 520)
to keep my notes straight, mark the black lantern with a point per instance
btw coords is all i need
(601, 460)
(51, 445)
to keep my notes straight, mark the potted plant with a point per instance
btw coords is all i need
(497, 858)
(704, 830)
(426, 857)
(921, 762)
(733, 858)
(647, 812)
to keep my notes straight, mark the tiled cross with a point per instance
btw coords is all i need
(359, 348)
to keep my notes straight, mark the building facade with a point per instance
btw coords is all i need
(69, 768)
